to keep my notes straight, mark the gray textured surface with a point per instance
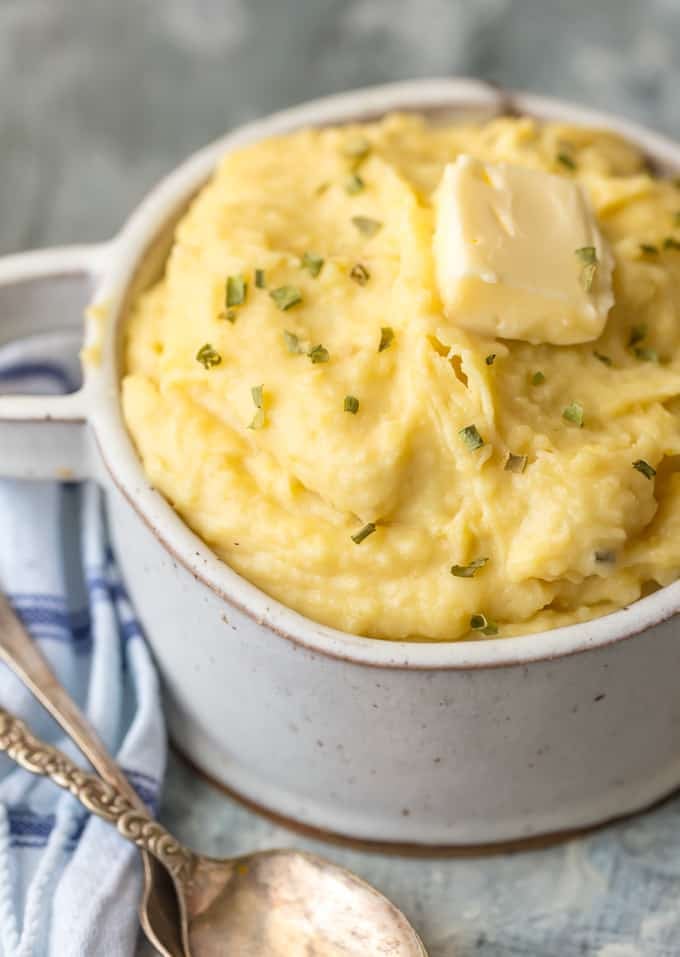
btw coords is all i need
(100, 97)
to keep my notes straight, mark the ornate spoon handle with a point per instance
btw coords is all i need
(98, 796)
(24, 657)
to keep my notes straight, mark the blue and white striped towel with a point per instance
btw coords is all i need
(69, 885)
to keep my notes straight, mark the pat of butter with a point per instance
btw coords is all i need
(505, 246)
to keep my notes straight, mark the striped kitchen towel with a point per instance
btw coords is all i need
(69, 885)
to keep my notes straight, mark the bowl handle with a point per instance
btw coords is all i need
(45, 293)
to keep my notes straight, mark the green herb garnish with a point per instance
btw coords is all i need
(236, 291)
(357, 148)
(208, 357)
(588, 256)
(574, 413)
(515, 463)
(318, 354)
(490, 359)
(386, 338)
(537, 378)
(671, 243)
(286, 296)
(359, 274)
(468, 571)
(258, 401)
(649, 249)
(646, 355)
(260, 280)
(230, 315)
(367, 226)
(637, 333)
(257, 392)
(481, 623)
(566, 160)
(603, 359)
(354, 184)
(645, 468)
(312, 263)
(363, 533)
(471, 437)
(351, 404)
(292, 342)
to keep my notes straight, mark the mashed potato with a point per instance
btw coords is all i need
(296, 392)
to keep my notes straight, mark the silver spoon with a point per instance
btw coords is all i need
(279, 903)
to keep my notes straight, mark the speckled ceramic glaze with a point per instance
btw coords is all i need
(427, 744)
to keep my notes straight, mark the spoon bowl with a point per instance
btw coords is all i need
(292, 904)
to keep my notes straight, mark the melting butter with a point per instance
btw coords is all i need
(507, 245)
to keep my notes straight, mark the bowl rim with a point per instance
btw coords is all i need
(128, 250)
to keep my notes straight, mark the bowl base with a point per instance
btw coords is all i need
(412, 848)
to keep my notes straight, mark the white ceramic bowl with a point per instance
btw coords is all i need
(425, 744)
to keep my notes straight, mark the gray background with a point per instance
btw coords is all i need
(98, 98)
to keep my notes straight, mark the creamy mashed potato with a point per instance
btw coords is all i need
(321, 430)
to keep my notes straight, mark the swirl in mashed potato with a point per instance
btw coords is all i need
(366, 386)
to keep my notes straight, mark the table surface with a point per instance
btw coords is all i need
(98, 99)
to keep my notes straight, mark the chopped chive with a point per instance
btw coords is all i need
(318, 354)
(490, 359)
(606, 360)
(566, 160)
(481, 623)
(386, 338)
(471, 437)
(230, 315)
(286, 296)
(588, 276)
(312, 263)
(292, 342)
(367, 226)
(258, 401)
(354, 184)
(605, 556)
(649, 249)
(644, 468)
(468, 571)
(588, 256)
(208, 357)
(363, 533)
(574, 413)
(357, 148)
(671, 243)
(351, 404)
(257, 421)
(236, 291)
(637, 333)
(646, 355)
(515, 463)
(537, 378)
(359, 274)
(260, 280)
